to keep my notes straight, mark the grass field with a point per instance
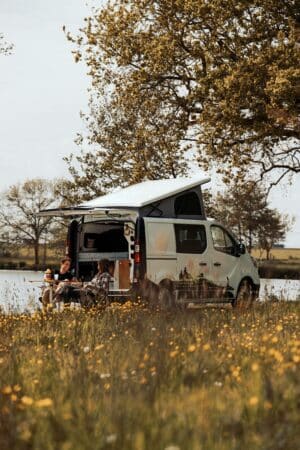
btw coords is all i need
(281, 254)
(134, 379)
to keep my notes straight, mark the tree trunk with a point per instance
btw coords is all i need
(36, 255)
(44, 253)
(240, 231)
(250, 241)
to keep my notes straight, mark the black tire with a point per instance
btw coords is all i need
(245, 295)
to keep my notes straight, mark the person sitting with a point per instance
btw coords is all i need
(92, 293)
(62, 275)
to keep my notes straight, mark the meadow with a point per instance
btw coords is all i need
(132, 378)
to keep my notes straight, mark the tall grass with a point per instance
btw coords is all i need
(130, 378)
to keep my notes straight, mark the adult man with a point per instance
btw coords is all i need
(61, 275)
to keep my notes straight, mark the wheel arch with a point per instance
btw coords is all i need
(254, 290)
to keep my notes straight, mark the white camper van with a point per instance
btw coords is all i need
(157, 231)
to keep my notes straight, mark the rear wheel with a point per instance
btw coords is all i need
(245, 295)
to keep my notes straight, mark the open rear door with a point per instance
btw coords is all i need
(72, 243)
(63, 212)
(100, 213)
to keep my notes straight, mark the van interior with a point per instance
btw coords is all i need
(112, 240)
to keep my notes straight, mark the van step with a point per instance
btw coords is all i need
(204, 300)
(119, 293)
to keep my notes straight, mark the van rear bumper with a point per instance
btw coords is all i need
(120, 294)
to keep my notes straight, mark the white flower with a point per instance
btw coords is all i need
(86, 349)
(111, 438)
(104, 375)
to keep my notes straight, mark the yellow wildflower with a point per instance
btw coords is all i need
(44, 403)
(267, 405)
(27, 401)
(191, 348)
(253, 401)
(7, 390)
(99, 346)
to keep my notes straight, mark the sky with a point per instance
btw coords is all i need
(42, 92)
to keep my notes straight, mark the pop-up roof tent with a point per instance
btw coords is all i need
(168, 198)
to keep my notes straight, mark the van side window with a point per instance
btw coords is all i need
(222, 241)
(190, 238)
(187, 204)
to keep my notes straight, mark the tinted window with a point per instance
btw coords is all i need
(190, 238)
(187, 204)
(222, 241)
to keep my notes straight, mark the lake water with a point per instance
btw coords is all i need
(20, 290)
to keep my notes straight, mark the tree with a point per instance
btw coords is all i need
(4, 243)
(5, 47)
(244, 208)
(222, 76)
(272, 229)
(18, 213)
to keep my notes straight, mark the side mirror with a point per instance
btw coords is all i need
(240, 249)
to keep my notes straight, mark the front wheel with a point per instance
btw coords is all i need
(245, 295)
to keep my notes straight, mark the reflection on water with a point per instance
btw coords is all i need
(279, 289)
(20, 290)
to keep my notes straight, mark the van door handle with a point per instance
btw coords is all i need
(202, 264)
(217, 264)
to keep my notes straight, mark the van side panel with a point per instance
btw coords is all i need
(161, 251)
